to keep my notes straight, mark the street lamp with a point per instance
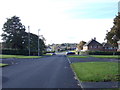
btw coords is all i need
(29, 39)
(38, 43)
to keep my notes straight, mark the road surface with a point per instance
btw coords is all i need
(46, 72)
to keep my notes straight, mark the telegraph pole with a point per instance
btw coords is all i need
(29, 39)
(38, 43)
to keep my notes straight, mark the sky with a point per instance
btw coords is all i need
(63, 21)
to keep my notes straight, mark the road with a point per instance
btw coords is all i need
(46, 72)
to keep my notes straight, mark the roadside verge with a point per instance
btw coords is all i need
(95, 85)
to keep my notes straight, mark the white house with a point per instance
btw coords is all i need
(118, 45)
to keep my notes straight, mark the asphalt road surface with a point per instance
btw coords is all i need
(46, 72)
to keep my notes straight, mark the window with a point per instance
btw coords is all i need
(91, 46)
(95, 46)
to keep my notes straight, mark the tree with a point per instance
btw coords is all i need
(80, 45)
(15, 37)
(14, 33)
(114, 34)
(34, 43)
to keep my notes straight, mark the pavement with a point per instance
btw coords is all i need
(46, 72)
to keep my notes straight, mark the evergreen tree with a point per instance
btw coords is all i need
(14, 33)
(114, 34)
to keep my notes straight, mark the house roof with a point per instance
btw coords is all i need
(92, 42)
(107, 45)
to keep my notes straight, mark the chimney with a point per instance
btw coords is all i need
(94, 38)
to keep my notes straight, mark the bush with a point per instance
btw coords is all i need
(101, 53)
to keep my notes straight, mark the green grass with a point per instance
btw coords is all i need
(96, 71)
(18, 56)
(2, 65)
(47, 54)
(105, 56)
(74, 56)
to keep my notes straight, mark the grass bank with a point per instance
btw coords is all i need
(96, 71)
(18, 56)
(106, 56)
(75, 56)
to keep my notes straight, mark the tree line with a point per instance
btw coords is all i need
(15, 37)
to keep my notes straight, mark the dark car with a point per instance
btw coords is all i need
(70, 53)
(53, 53)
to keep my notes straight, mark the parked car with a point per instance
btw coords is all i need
(70, 53)
(53, 53)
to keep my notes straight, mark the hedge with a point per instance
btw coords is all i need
(101, 53)
(19, 52)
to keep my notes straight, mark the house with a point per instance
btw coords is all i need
(108, 47)
(61, 47)
(2, 45)
(93, 45)
(118, 45)
(49, 49)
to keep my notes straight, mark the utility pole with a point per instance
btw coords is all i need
(29, 39)
(38, 43)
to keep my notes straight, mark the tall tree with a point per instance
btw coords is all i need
(114, 34)
(14, 33)
(80, 45)
(34, 43)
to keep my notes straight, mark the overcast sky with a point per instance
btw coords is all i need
(63, 21)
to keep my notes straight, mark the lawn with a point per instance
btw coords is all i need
(106, 56)
(96, 71)
(18, 56)
(74, 56)
(2, 65)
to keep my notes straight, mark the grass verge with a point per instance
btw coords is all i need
(96, 71)
(106, 56)
(18, 56)
(47, 54)
(2, 65)
(74, 56)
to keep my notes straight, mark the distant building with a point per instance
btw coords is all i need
(49, 49)
(2, 45)
(93, 45)
(62, 47)
(118, 45)
(109, 47)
